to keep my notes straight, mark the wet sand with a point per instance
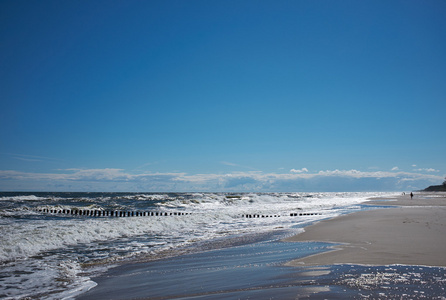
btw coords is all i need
(250, 271)
(410, 233)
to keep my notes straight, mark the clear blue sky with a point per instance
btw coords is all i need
(222, 95)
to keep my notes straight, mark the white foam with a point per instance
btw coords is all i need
(47, 279)
(22, 198)
(49, 248)
(210, 213)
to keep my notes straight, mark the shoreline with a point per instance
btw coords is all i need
(254, 268)
(266, 267)
(408, 232)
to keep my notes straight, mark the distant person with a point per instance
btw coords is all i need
(411, 195)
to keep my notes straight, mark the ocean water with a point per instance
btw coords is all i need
(52, 244)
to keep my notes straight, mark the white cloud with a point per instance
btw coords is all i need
(395, 169)
(99, 175)
(303, 170)
(252, 181)
(229, 164)
(236, 165)
(31, 158)
(426, 170)
(106, 175)
(352, 173)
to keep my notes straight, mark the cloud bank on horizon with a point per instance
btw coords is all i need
(253, 181)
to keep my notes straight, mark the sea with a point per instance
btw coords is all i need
(54, 245)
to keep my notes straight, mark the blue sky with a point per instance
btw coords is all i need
(222, 95)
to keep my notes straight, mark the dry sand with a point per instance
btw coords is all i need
(411, 233)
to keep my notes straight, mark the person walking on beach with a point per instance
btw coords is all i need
(411, 195)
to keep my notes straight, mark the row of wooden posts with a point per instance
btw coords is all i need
(275, 216)
(118, 213)
(305, 214)
(111, 213)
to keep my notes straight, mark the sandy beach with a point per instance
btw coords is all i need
(411, 233)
